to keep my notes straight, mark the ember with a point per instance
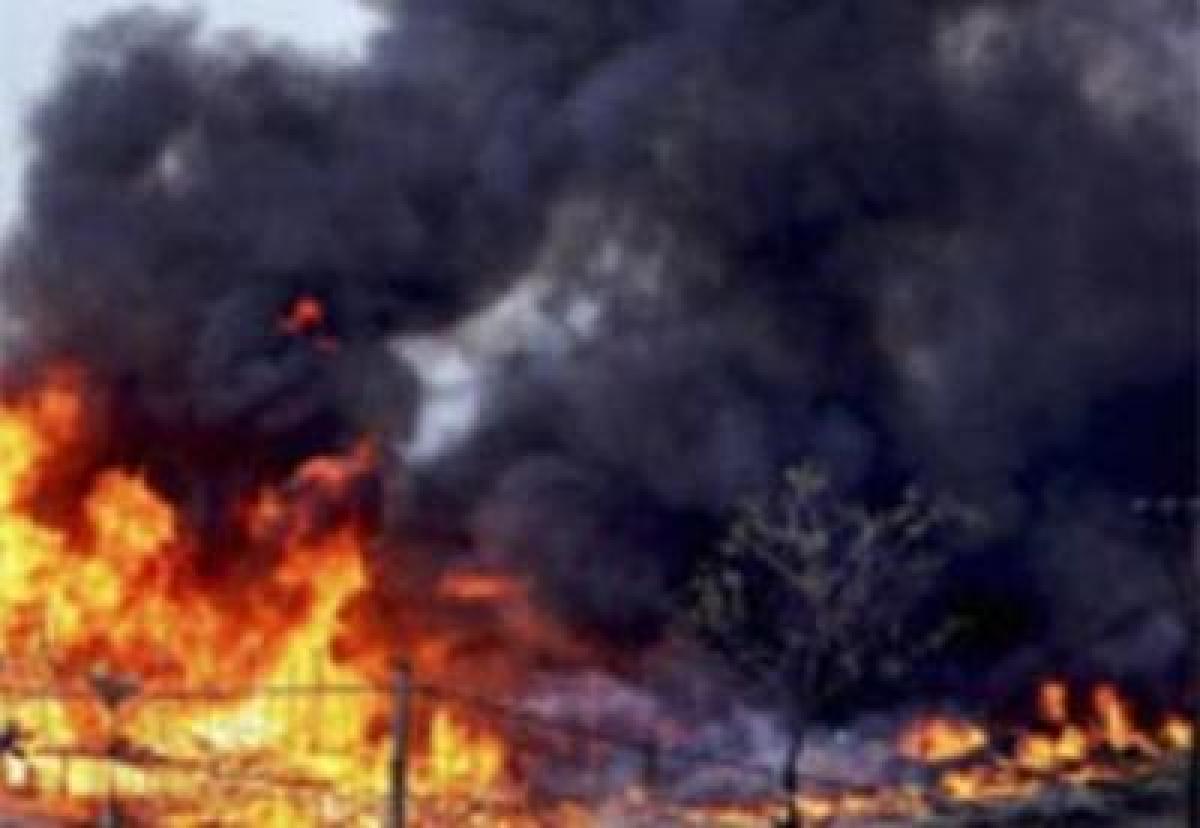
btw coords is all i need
(306, 318)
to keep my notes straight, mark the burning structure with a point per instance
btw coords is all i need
(460, 355)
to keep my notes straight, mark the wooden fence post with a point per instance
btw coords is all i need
(398, 794)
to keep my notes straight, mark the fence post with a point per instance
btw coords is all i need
(110, 816)
(398, 794)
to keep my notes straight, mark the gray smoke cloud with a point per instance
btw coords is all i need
(670, 247)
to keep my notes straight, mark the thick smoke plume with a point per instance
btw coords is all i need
(669, 247)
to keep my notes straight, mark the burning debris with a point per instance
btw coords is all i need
(662, 250)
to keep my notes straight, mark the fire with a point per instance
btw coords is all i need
(162, 676)
(1053, 703)
(1105, 744)
(109, 606)
(1176, 733)
(937, 740)
(474, 586)
(1116, 727)
(1041, 752)
(460, 757)
(127, 666)
(984, 783)
(307, 318)
(1108, 745)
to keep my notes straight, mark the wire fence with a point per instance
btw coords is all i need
(104, 750)
(95, 749)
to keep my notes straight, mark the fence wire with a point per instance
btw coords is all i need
(215, 757)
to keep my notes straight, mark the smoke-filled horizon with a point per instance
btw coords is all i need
(598, 270)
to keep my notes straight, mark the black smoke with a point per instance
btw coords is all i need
(945, 241)
(183, 194)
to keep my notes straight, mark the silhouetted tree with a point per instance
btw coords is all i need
(811, 596)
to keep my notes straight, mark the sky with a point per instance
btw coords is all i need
(31, 34)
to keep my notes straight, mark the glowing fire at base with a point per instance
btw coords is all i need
(1107, 746)
(119, 652)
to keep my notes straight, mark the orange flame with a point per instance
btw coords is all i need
(935, 741)
(1176, 733)
(108, 605)
(461, 757)
(306, 317)
(1054, 703)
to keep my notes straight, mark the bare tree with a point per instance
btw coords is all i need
(811, 595)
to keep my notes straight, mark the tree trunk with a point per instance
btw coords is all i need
(793, 818)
